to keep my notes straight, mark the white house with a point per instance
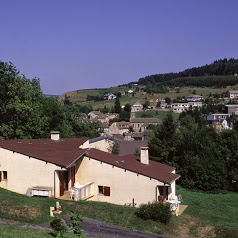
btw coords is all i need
(233, 94)
(109, 96)
(119, 128)
(140, 124)
(55, 165)
(136, 107)
(218, 117)
(194, 98)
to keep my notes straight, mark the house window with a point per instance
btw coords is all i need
(104, 190)
(100, 189)
(3, 175)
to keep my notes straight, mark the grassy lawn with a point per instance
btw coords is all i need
(11, 231)
(217, 209)
(205, 214)
(161, 114)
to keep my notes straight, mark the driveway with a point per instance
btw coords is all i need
(94, 228)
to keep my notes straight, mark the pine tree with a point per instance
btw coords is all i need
(117, 105)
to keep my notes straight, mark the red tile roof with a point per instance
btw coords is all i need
(62, 152)
(155, 170)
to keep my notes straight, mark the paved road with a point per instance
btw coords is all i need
(92, 228)
(100, 229)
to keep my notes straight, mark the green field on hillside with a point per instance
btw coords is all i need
(161, 114)
(80, 96)
(205, 215)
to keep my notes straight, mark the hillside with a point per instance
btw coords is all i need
(80, 96)
(222, 67)
(215, 78)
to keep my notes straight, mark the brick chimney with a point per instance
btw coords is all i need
(144, 155)
(55, 135)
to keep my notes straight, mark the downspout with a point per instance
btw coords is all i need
(54, 182)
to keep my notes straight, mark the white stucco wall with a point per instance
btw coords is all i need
(124, 185)
(103, 145)
(24, 172)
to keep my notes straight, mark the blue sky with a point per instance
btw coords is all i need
(79, 44)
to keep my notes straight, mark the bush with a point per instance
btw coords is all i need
(60, 227)
(61, 230)
(156, 211)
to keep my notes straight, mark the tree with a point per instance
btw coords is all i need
(116, 148)
(80, 124)
(146, 104)
(124, 116)
(117, 105)
(20, 108)
(167, 100)
(127, 107)
(162, 143)
(199, 160)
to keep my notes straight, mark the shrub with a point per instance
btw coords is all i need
(61, 230)
(156, 211)
(60, 227)
(76, 225)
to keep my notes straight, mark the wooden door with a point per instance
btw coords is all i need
(63, 178)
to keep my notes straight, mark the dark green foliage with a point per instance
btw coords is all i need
(156, 89)
(205, 159)
(156, 211)
(20, 108)
(61, 230)
(162, 143)
(127, 107)
(26, 113)
(215, 74)
(146, 104)
(94, 98)
(79, 123)
(117, 105)
(76, 225)
(167, 100)
(116, 148)
(59, 227)
(199, 160)
(124, 116)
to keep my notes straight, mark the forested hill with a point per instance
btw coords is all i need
(222, 67)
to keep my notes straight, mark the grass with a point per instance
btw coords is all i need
(10, 231)
(79, 96)
(216, 209)
(161, 114)
(205, 215)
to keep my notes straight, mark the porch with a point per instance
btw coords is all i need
(79, 192)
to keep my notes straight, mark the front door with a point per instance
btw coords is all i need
(63, 177)
(164, 192)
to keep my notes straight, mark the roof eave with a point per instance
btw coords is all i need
(68, 166)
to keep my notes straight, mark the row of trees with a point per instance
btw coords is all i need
(26, 113)
(205, 159)
(219, 68)
(203, 81)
